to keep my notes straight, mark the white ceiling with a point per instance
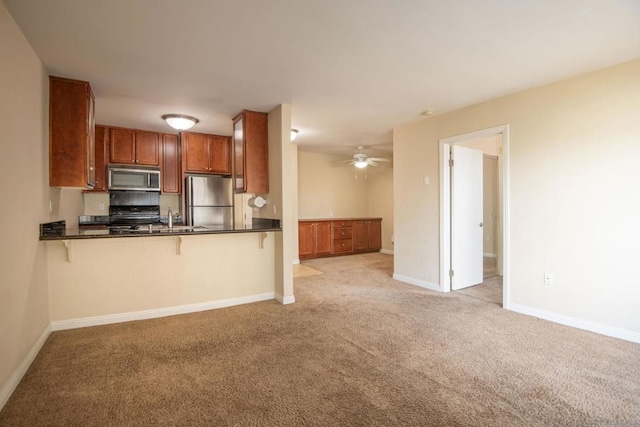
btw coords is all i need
(352, 70)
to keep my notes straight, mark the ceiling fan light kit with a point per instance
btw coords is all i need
(361, 160)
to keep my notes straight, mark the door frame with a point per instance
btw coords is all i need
(445, 204)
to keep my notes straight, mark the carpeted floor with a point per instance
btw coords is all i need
(356, 349)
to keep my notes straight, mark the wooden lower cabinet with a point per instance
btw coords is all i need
(367, 235)
(314, 239)
(338, 237)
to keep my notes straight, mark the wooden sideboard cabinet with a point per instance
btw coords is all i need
(314, 239)
(71, 133)
(321, 238)
(367, 235)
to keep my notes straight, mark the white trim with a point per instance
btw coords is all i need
(489, 255)
(445, 226)
(417, 282)
(60, 325)
(296, 261)
(386, 251)
(574, 322)
(10, 386)
(285, 300)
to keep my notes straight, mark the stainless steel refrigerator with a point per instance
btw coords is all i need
(209, 200)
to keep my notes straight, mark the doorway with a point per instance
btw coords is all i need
(499, 235)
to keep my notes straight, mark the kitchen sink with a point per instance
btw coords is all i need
(166, 229)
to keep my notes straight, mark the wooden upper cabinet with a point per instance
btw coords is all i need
(71, 133)
(219, 154)
(134, 147)
(102, 158)
(170, 164)
(147, 148)
(123, 146)
(251, 152)
(203, 153)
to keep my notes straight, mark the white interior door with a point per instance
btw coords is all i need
(466, 217)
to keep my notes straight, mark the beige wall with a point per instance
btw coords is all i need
(122, 275)
(380, 194)
(574, 207)
(24, 305)
(326, 190)
(281, 200)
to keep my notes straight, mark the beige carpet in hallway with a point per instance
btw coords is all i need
(356, 349)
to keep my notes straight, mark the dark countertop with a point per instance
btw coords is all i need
(58, 231)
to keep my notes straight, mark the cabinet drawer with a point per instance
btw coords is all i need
(342, 245)
(337, 224)
(342, 233)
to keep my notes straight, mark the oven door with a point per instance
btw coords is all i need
(134, 179)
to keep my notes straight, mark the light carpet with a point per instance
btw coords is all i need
(356, 349)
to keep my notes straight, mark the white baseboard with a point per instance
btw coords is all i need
(285, 300)
(296, 261)
(417, 282)
(489, 255)
(575, 322)
(59, 325)
(387, 251)
(10, 386)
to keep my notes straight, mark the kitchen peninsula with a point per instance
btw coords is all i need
(104, 278)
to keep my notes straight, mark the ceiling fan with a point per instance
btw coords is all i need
(362, 160)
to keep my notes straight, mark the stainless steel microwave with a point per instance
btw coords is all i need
(133, 178)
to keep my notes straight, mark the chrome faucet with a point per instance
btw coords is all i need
(170, 218)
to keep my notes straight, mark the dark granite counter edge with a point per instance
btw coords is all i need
(165, 234)
(57, 231)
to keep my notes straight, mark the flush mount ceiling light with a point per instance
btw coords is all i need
(180, 121)
(294, 134)
(428, 112)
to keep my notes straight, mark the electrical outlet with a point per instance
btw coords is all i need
(331, 214)
(548, 279)
(488, 238)
(50, 206)
(101, 206)
(275, 210)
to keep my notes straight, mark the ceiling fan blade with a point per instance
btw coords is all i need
(371, 162)
(380, 159)
(342, 162)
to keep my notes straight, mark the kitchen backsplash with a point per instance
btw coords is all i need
(98, 203)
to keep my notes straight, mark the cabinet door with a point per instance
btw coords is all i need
(170, 164)
(306, 239)
(70, 133)
(147, 148)
(219, 161)
(375, 234)
(323, 238)
(92, 139)
(360, 235)
(122, 146)
(256, 152)
(195, 152)
(101, 158)
(238, 155)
